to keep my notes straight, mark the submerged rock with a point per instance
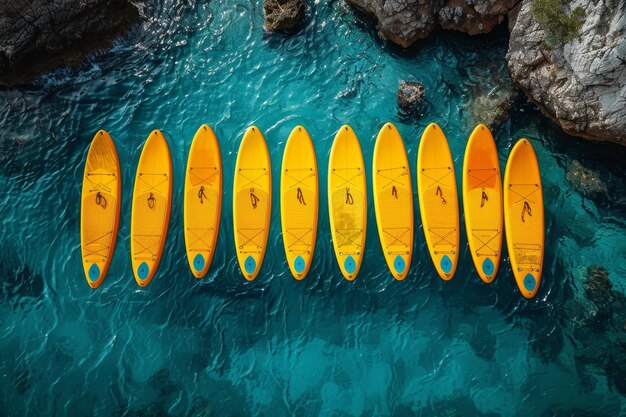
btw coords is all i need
(577, 78)
(598, 287)
(451, 407)
(39, 35)
(22, 381)
(411, 98)
(162, 383)
(491, 108)
(405, 21)
(283, 14)
(490, 99)
(19, 281)
(594, 317)
(482, 341)
(592, 313)
(585, 180)
(579, 312)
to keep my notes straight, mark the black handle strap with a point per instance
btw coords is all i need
(439, 192)
(101, 201)
(526, 209)
(300, 197)
(201, 194)
(253, 198)
(151, 201)
(483, 199)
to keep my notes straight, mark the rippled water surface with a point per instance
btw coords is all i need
(273, 347)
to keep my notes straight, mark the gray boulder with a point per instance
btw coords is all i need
(473, 16)
(581, 85)
(411, 98)
(405, 21)
(401, 21)
(39, 35)
(283, 14)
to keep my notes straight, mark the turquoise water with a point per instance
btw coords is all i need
(276, 347)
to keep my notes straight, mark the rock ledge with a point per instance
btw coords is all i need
(39, 35)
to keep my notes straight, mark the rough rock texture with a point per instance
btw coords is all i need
(38, 35)
(598, 287)
(411, 97)
(405, 21)
(401, 21)
(283, 14)
(582, 84)
(474, 16)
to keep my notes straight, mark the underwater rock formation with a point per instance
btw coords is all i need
(19, 281)
(39, 35)
(578, 80)
(411, 97)
(593, 313)
(584, 180)
(595, 321)
(283, 14)
(405, 21)
(491, 108)
(599, 290)
(488, 94)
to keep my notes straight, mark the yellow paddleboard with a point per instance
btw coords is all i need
(252, 202)
(347, 201)
(523, 217)
(100, 208)
(439, 202)
(299, 195)
(482, 202)
(393, 200)
(150, 213)
(203, 200)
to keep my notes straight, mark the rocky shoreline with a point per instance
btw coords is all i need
(569, 57)
(579, 83)
(406, 21)
(37, 36)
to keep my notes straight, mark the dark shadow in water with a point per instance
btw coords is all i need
(19, 282)
(570, 413)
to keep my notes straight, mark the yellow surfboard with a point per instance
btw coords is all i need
(347, 201)
(439, 202)
(299, 195)
(393, 200)
(482, 202)
(523, 217)
(252, 202)
(203, 200)
(150, 213)
(100, 208)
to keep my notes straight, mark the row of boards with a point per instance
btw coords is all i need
(487, 206)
